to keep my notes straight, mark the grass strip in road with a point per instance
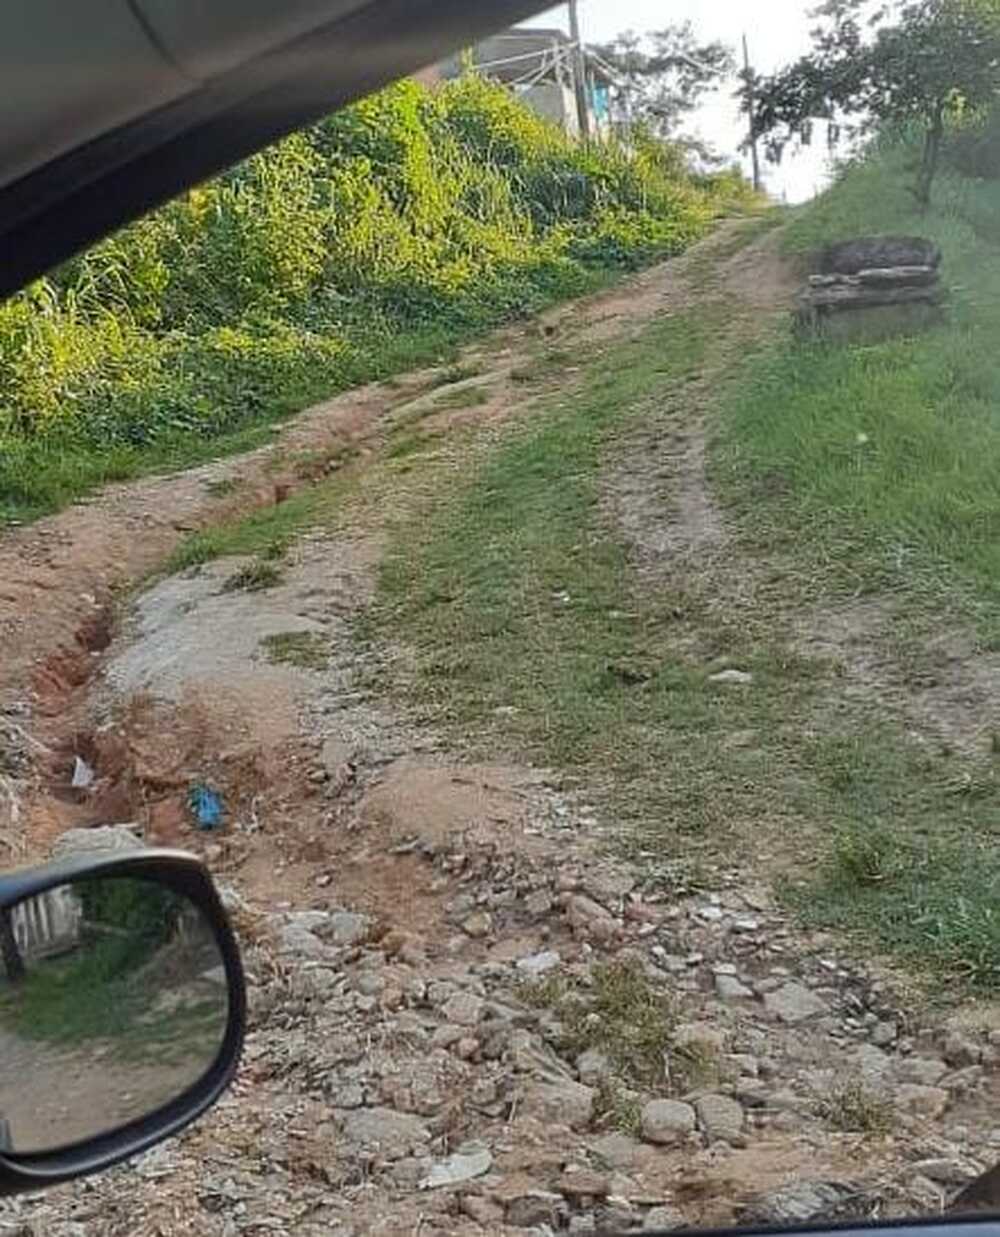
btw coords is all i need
(531, 635)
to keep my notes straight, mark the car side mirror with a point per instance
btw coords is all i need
(122, 1010)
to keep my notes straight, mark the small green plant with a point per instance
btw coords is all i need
(617, 1108)
(620, 1013)
(221, 488)
(458, 373)
(866, 856)
(374, 242)
(253, 578)
(695, 1065)
(464, 397)
(305, 649)
(856, 1109)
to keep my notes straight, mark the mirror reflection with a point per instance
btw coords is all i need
(113, 1001)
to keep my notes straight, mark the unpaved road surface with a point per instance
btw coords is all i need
(444, 953)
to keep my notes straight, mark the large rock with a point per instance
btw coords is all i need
(561, 1103)
(384, 1133)
(96, 841)
(667, 1121)
(797, 1203)
(919, 1101)
(721, 1118)
(879, 253)
(921, 1071)
(794, 1003)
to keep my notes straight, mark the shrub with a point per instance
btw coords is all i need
(299, 272)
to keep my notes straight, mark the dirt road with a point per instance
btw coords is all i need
(471, 1013)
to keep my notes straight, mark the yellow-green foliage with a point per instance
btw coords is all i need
(298, 272)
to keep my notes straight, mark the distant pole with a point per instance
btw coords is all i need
(752, 108)
(579, 70)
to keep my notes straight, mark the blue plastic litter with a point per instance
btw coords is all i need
(206, 805)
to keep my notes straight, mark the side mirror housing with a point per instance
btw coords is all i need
(122, 1010)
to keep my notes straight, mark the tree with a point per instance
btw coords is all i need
(919, 61)
(663, 75)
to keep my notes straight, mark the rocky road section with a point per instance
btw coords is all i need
(576, 1049)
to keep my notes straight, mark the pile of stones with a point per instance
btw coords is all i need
(874, 288)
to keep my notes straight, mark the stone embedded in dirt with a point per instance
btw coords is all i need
(963, 1081)
(921, 1071)
(667, 1121)
(538, 904)
(478, 924)
(308, 921)
(729, 989)
(664, 1219)
(710, 914)
(346, 928)
(919, 1101)
(870, 1064)
(539, 964)
(793, 1003)
(95, 840)
(884, 1034)
(617, 1151)
(797, 1203)
(721, 1117)
(701, 1036)
(384, 1133)
(946, 1171)
(581, 1183)
(593, 1067)
(590, 921)
(463, 1166)
(560, 1103)
(297, 942)
(536, 1208)
(464, 1009)
(335, 755)
(617, 1216)
(732, 678)
(482, 1211)
(960, 1051)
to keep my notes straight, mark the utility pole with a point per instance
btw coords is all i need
(752, 108)
(579, 70)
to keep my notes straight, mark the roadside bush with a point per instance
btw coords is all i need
(412, 215)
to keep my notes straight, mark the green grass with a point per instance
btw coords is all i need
(529, 630)
(303, 649)
(875, 471)
(48, 473)
(618, 1012)
(267, 532)
(520, 603)
(253, 578)
(882, 462)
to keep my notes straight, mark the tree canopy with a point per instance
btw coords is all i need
(915, 61)
(663, 75)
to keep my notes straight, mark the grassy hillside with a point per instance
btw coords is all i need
(875, 470)
(885, 460)
(376, 240)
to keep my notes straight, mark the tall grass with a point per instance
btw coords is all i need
(337, 256)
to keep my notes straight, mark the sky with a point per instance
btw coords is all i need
(778, 31)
